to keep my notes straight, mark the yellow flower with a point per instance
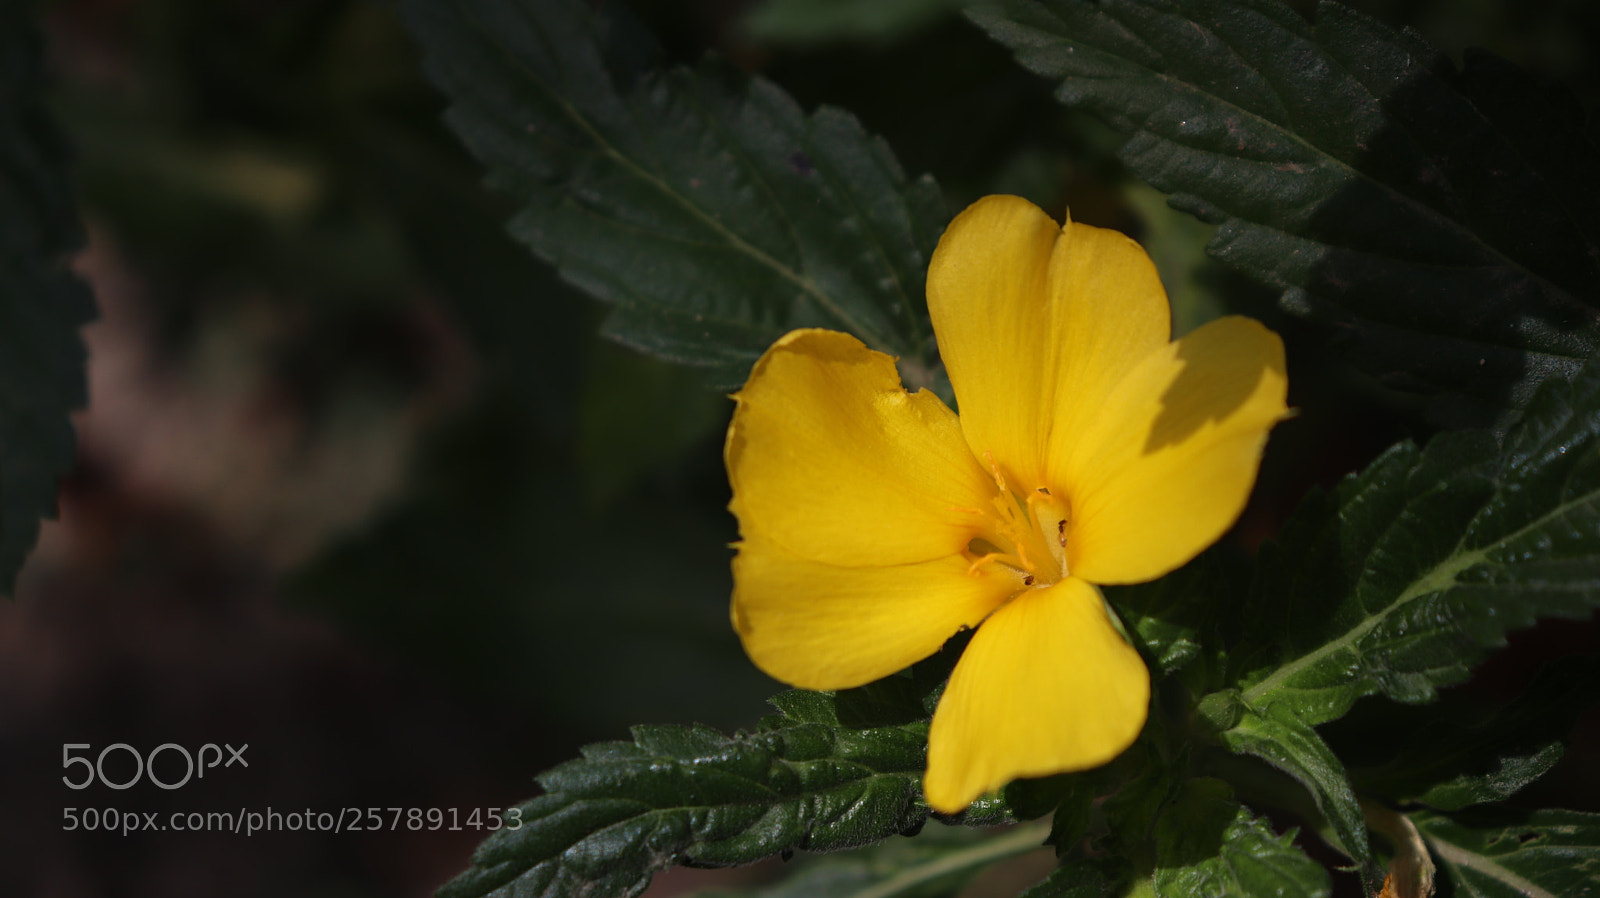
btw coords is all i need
(1090, 449)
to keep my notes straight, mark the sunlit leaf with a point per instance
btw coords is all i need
(1542, 854)
(1409, 573)
(1280, 739)
(1210, 846)
(690, 795)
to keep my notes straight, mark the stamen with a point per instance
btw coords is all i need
(983, 560)
(1017, 531)
(994, 469)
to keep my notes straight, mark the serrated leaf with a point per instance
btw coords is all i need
(1409, 573)
(690, 795)
(702, 204)
(42, 304)
(1210, 846)
(1454, 762)
(1446, 223)
(1280, 739)
(1543, 854)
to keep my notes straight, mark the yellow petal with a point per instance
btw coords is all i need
(1047, 685)
(1111, 312)
(1025, 310)
(818, 626)
(988, 300)
(1168, 463)
(833, 460)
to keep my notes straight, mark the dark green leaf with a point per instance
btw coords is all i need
(1457, 761)
(1280, 739)
(1543, 854)
(1210, 845)
(690, 795)
(1410, 572)
(1174, 617)
(704, 205)
(42, 304)
(1446, 223)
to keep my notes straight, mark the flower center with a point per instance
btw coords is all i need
(1026, 531)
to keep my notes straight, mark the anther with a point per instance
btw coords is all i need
(980, 562)
(994, 469)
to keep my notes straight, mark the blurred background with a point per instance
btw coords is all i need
(359, 487)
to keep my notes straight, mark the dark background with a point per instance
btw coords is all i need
(359, 488)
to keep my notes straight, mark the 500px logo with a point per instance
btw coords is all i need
(193, 764)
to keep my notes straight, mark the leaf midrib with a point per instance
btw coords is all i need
(868, 335)
(689, 808)
(1437, 579)
(1454, 854)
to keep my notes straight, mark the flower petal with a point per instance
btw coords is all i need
(832, 459)
(987, 297)
(1047, 685)
(1111, 312)
(1024, 309)
(1166, 467)
(818, 626)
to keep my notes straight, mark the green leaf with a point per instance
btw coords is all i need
(941, 860)
(1455, 761)
(1410, 572)
(1210, 845)
(42, 304)
(702, 204)
(1175, 617)
(690, 795)
(815, 21)
(1280, 739)
(1543, 854)
(1445, 223)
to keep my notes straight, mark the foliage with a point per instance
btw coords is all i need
(1540, 853)
(691, 795)
(1442, 221)
(702, 204)
(1438, 223)
(42, 304)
